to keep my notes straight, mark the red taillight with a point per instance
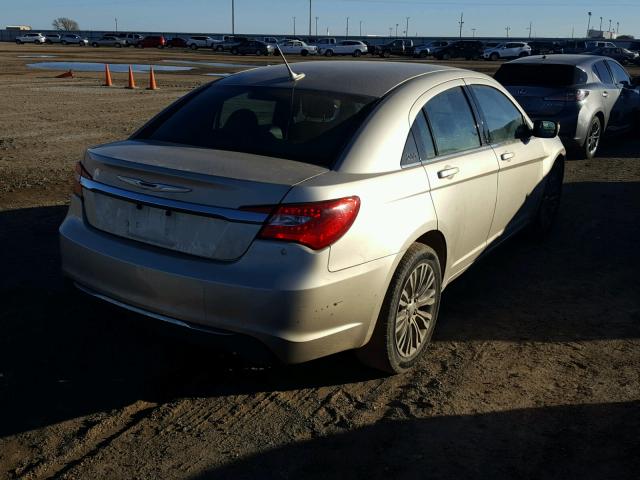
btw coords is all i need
(569, 96)
(79, 172)
(316, 225)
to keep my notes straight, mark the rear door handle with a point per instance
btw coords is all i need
(605, 94)
(507, 156)
(448, 172)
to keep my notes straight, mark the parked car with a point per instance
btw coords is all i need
(634, 46)
(396, 47)
(53, 38)
(202, 41)
(354, 48)
(270, 40)
(429, 48)
(539, 47)
(297, 47)
(507, 50)
(586, 94)
(323, 43)
(228, 43)
(253, 47)
(152, 41)
(109, 41)
(581, 46)
(36, 38)
(73, 39)
(176, 42)
(130, 39)
(621, 55)
(365, 189)
(468, 49)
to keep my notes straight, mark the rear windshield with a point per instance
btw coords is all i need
(303, 125)
(548, 75)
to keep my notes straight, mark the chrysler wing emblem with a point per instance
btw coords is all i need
(156, 187)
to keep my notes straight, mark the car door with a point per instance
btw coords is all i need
(462, 171)
(520, 157)
(628, 98)
(608, 93)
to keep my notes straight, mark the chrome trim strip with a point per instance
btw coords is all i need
(230, 214)
(147, 313)
(158, 187)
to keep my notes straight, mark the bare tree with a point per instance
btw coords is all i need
(64, 23)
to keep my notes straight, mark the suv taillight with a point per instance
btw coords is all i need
(316, 225)
(569, 96)
(78, 173)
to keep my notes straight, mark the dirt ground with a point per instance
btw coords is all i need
(534, 371)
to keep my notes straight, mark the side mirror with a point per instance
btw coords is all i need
(545, 129)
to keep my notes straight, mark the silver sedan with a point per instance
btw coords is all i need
(314, 212)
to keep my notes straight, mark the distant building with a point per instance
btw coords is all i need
(19, 28)
(600, 34)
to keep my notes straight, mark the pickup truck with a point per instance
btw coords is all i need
(396, 47)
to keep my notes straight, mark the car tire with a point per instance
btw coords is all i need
(219, 49)
(549, 205)
(357, 53)
(494, 56)
(446, 56)
(118, 45)
(193, 46)
(18, 42)
(94, 44)
(423, 54)
(592, 142)
(304, 53)
(328, 53)
(386, 54)
(259, 53)
(234, 51)
(63, 42)
(390, 348)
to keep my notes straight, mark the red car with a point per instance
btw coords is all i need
(177, 42)
(151, 41)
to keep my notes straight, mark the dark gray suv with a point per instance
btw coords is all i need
(588, 95)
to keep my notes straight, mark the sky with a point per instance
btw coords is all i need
(489, 18)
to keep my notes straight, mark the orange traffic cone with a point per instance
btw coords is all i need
(132, 82)
(68, 74)
(152, 80)
(107, 76)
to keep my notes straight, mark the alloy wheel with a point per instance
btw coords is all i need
(414, 316)
(593, 140)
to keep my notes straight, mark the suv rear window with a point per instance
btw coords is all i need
(303, 125)
(533, 74)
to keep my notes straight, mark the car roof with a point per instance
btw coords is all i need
(368, 78)
(560, 59)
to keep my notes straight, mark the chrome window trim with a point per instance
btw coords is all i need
(230, 214)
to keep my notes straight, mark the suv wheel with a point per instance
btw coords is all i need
(219, 48)
(408, 314)
(94, 44)
(63, 42)
(18, 42)
(328, 53)
(234, 51)
(193, 46)
(357, 53)
(259, 52)
(423, 54)
(494, 56)
(304, 53)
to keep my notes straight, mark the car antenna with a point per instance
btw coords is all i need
(293, 75)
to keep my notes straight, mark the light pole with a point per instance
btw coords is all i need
(233, 17)
(406, 32)
(461, 23)
(390, 31)
(360, 27)
(588, 24)
(317, 26)
(600, 24)
(396, 30)
(309, 17)
(473, 31)
(116, 20)
(294, 26)
(530, 27)
(507, 29)
(617, 28)
(347, 27)
(609, 28)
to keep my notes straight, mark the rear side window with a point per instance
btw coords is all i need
(452, 122)
(410, 153)
(422, 134)
(504, 120)
(533, 74)
(619, 74)
(304, 125)
(602, 72)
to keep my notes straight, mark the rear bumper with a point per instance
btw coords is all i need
(280, 294)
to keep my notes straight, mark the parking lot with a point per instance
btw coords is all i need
(534, 371)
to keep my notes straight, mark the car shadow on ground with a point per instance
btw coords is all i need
(63, 355)
(566, 442)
